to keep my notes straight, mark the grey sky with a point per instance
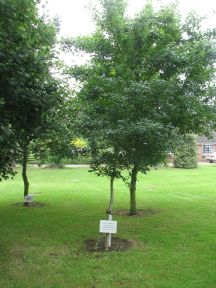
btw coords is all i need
(75, 18)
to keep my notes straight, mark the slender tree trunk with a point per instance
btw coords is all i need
(109, 212)
(133, 207)
(24, 173)
(111, 192)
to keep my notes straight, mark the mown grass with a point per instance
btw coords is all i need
(45, 247)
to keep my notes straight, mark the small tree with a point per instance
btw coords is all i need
(27, 87)
(147, 82)
(106, 161)
(186, 153)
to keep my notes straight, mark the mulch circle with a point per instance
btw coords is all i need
(140, 212)
(118, 244)
(33, 204)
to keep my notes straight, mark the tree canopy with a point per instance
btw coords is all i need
(30, 95)
(147, 81)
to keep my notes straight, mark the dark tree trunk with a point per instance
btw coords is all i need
(133, 207)
(24, 173)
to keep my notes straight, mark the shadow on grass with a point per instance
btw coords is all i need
(140, 212)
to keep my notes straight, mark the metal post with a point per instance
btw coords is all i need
(109, 235)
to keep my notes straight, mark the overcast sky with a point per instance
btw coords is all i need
(75, 18)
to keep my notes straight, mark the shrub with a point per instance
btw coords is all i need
(186, 153)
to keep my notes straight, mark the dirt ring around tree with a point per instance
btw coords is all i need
(118, 244)
(33, 204)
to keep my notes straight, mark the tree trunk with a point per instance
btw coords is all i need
(111, 192)
(133, 207)
(109, 212)
(24, 173)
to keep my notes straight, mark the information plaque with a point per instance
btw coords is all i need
(28, 198)
(107, 226)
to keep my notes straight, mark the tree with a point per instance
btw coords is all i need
(29, 91)
(186, 153)
(105, 156)
(107, 161)
(147, 82)
(57, 141)
(8, 145)
(7, 151)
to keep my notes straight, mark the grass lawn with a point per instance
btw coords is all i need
(45, 247)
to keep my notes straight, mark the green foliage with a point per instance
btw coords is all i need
(146, 83)
(30, 94)
(8, 150)
(54, 162)
(186, 153)
(148, 80)
(80, 159)
(7, 146)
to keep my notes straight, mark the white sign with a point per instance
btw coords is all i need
(107, 226)
(28, 198)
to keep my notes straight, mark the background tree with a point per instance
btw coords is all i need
(95, 127)
(57, 141)
(8, 151)
(186, 153)
(27, 87)
(146, 83)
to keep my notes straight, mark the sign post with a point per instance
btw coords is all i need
(109, 227)
(28, 199)
(109, 240)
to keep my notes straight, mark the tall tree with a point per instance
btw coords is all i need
(146, 83)
(29, 91)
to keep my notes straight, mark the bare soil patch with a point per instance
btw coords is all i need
(140, 212)
(33, 204)
(118, 244)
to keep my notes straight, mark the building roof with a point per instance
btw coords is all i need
(204, 140)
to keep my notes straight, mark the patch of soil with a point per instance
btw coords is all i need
(98, 245)
(140, 212)
(33, 204)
